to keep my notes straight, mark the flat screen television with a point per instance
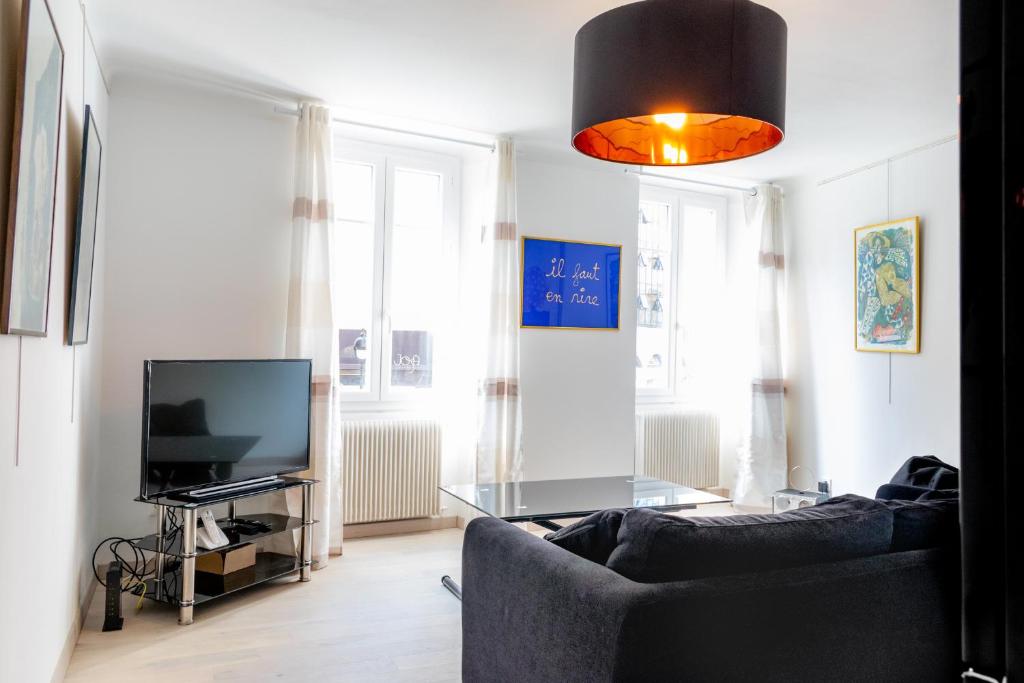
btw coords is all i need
(208, 422)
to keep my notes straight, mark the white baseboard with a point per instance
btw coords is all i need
(71, 640)
(400, 526)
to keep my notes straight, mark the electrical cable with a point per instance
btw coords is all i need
(132, 558)
(134, 565)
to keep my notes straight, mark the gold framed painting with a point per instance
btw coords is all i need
(27, 244)
(887, 286)
(569, 285)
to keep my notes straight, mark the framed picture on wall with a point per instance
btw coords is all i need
(570, 285)
(887, 286)
(28, 239)
(85, 232)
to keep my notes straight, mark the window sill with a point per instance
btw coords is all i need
(652, 404)
(354, 409)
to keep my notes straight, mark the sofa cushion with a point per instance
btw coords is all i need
(594, 537)
(654, 547)
(921, 524)
(922, 477)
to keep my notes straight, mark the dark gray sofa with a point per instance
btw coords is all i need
(533, 611)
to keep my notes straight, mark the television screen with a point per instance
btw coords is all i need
(212, 422)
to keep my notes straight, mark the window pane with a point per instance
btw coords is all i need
(698, 280)
(417, 198)
(354, 272)
(414, 297)
(654, 278)
(353, 249)
(411, 353)
(353, 191)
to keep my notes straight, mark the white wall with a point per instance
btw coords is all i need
(578, 385)
(49, 396)
(842, 422)
(198, 252)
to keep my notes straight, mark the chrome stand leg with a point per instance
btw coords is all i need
(452, 585)
(188, 568)
(306, 543)
(231, 512)
(161, 513)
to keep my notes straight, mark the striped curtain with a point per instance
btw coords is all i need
(762, 462)
(310, 331)
(500, 423)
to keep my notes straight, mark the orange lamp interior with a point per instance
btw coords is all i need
(677, 139)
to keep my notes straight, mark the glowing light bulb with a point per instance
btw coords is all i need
(673, 121)
(670, 153)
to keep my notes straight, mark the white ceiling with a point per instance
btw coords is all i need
(867, 78)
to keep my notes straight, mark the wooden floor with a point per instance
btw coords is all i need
(378, 614)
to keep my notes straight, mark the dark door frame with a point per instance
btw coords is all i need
(991, 310)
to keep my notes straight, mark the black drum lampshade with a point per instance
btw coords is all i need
(680, 82)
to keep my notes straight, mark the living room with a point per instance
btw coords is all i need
(508, 341)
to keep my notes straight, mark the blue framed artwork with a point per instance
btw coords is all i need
(570, 285)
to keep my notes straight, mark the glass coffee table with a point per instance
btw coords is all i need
(543, 502)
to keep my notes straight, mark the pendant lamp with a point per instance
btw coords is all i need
(680, 82)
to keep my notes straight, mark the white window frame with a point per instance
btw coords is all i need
(677, 199)
(385, 160)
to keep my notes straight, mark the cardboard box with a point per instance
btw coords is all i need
(219, 584)
(223, 562)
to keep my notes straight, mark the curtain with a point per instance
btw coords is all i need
(762, 462)
(500, 422)
(310, 331)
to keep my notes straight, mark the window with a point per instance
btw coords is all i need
(394, 241)
(679, 267)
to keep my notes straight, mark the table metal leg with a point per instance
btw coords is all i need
(188, 568)
(306, 538)
(452, 585)
(161, 526)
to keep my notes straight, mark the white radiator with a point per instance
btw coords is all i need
(680, 446)
(392, 469)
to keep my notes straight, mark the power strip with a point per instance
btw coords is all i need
(112, 619)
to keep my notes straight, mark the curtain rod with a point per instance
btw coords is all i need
(642, 174)
(403, 131)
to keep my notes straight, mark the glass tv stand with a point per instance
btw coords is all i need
(176, 551)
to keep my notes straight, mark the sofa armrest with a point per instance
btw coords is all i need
(533, 611)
